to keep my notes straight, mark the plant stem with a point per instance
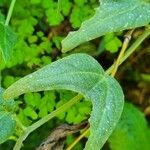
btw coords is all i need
(44, 120)
(87, 130)
(124, 47)
(10, 12)
(78, 97)
(132, 48)
(7, 22)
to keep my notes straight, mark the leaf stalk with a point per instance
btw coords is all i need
(10, 11)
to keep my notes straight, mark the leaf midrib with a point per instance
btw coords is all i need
(69, 73)
(101, 77)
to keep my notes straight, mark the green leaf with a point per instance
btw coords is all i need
(2, 18)
(83, 74)
(71, 115)
(7, 41)
(30, 113)
(112, 42)
(131, 132)
(7, 124)
(65, 6)
(32, 99)
(35, 2)
(110, 16)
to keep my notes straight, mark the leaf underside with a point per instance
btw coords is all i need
(110, 16)
(83, 74)
(7, 124)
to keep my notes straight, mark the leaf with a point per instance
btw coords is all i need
(7, 40)
(82, 74)
(7, 124)
(132, 131)
(110, 16)
(2, 18)
(29, 112)
(111, 42)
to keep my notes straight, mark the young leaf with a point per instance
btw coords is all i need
(131, 132)
(7, 40)
(82, 74)
(110, 16)
(7, 124)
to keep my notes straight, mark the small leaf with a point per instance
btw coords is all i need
(7, 40)
(131, 132)
(82, 74)
(110, 16)
(112, 42)
(29, 112)
(7, 124)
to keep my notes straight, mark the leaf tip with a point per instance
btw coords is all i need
(64, 48)
(8, 94)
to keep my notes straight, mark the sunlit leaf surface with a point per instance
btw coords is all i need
(110, 16)
(83, 74)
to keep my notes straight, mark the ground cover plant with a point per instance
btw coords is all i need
(72, 76)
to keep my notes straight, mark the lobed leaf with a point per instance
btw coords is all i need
(83, 74)
(7, 124)
(110, 16)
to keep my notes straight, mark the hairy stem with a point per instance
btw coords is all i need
(10, 11)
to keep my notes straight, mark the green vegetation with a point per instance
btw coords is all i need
(73, 88)
(131, 132)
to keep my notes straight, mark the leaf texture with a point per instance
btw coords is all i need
(7, 124)
(7, 40)
(83, 74)
(110, 16)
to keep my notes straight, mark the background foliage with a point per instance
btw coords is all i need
(41, 25)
